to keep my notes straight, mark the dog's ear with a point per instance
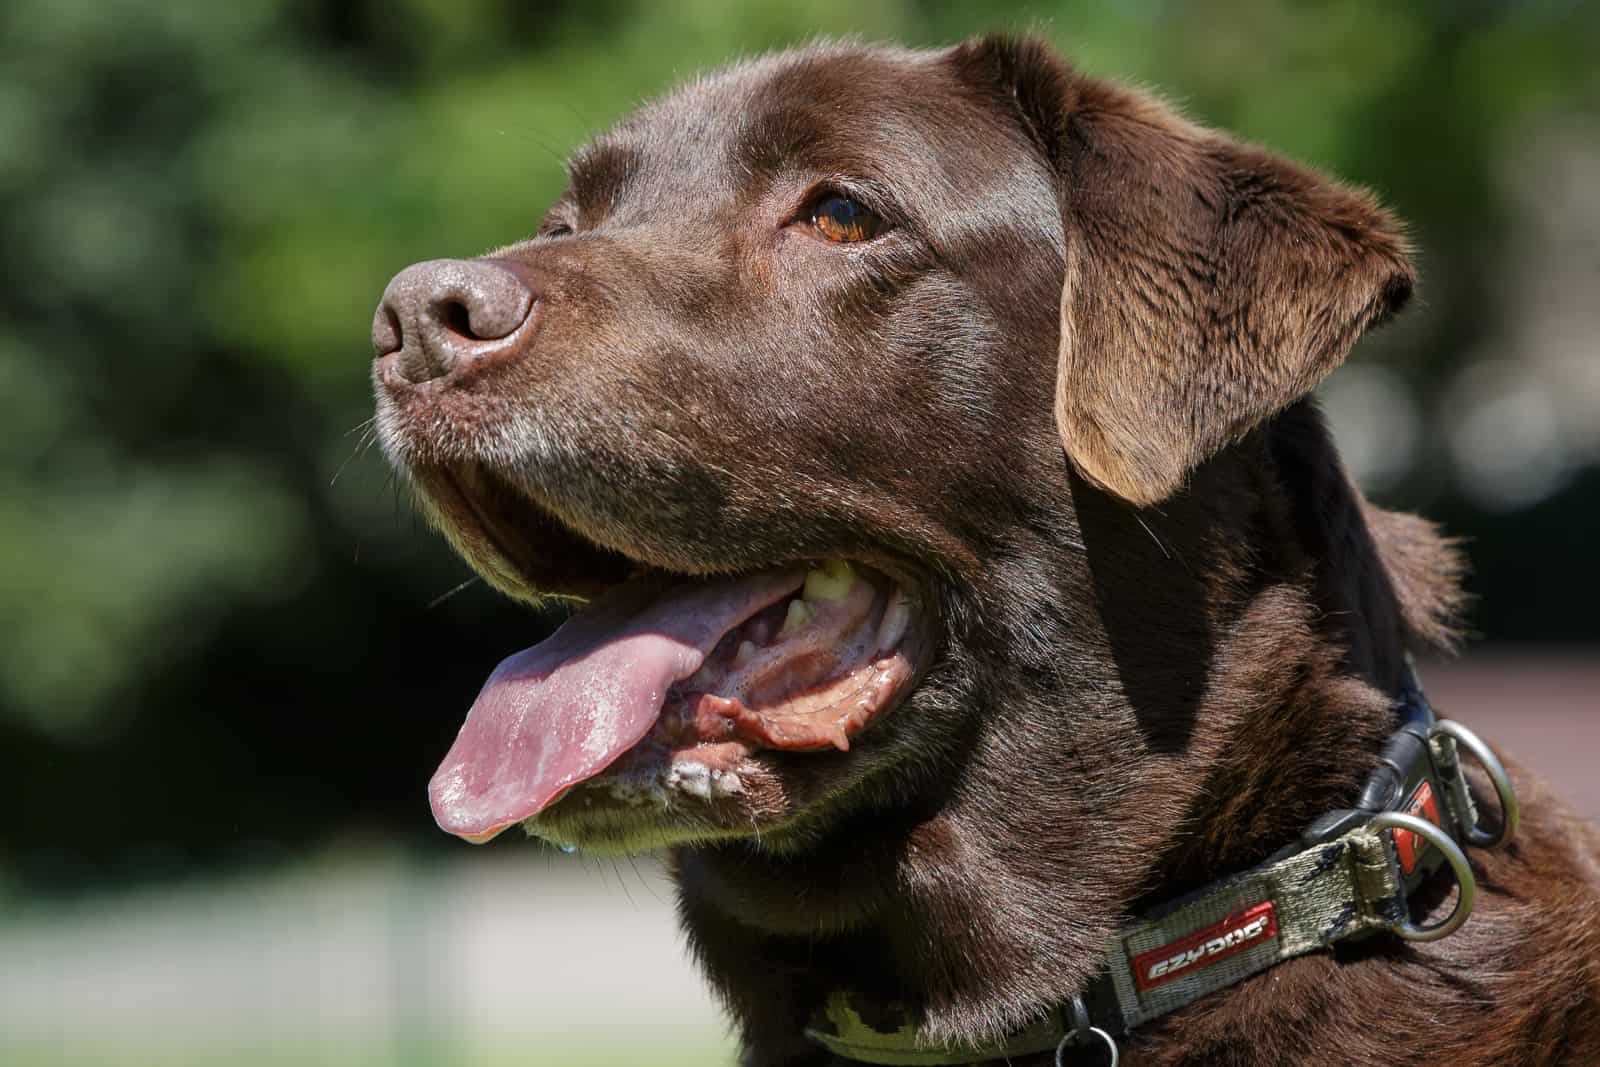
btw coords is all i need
(1209, 284)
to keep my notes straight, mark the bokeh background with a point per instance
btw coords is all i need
(229, 655)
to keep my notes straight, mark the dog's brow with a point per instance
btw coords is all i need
(600, 171)
(777, 138)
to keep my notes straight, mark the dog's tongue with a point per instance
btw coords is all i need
(562, 711)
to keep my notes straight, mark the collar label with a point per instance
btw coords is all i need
(1188, 955)
(1407, 845)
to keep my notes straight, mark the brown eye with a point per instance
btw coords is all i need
(838, 218)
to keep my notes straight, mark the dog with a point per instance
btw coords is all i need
(964, 572)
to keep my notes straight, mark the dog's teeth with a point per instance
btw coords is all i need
(832, 581)
(895, 618)
(800, 613)
(691, 778)
(698, 780)
(744, 653)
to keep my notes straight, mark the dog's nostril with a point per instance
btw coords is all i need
(387, 334)
(491, 307)
(458, 319)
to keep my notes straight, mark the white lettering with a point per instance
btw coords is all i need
(1233, 938)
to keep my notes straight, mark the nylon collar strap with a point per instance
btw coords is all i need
(1348, 876)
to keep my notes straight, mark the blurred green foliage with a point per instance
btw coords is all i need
(202, 202)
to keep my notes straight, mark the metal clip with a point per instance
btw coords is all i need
(1466, 884)
(1082, 1031)
(1509, 812)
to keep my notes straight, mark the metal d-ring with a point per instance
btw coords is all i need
(1496, 770)
(1081, 1030)
(1466, 884)
(1077, 1036)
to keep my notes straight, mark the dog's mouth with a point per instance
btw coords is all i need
(695, 672)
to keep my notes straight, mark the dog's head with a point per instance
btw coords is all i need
(864, 393)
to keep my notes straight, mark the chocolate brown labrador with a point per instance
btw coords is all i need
(961, 566)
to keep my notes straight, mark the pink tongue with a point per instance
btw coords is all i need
(562, 711)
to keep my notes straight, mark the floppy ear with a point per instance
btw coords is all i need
(1209, 284)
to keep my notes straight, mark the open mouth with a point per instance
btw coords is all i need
(793, 657)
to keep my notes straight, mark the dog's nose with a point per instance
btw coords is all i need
(444, 313)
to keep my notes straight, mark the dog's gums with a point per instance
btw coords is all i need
(804, 673)
(680, 680)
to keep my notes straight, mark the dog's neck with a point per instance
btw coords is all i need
(933, 911)
(979, 906)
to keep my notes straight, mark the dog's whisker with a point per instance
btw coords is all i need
(368, 423)
(447, 594)
(622, 883)
(360, 447)
(643, 882)
(1153, 536)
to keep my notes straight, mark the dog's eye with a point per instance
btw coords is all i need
(556, 229)
(838, 218)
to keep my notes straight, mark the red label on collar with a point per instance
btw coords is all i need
(1239, 931)
(1407, 845)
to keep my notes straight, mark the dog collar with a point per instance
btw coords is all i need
(1350, 875)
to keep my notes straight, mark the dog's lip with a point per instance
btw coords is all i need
(724, 659)
(825, 684)
(515, 541)
(561, 711)
(813, 679)
(722, 733)
(537, 554)
(701, 773)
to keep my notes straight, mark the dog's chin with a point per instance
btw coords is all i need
(780, 666)
(659, 797)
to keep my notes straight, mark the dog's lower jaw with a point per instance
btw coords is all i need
(978, 931)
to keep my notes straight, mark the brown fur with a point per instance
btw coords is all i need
(1164, 650)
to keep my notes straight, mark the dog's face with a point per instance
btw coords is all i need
(782, 387)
